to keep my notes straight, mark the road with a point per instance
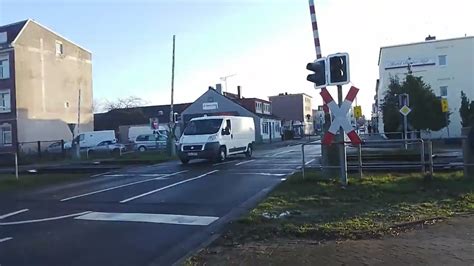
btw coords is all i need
(151, 215)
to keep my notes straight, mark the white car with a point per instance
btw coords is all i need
(108, 146)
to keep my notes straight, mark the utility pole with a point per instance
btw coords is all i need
(172, 125)
(78, 146)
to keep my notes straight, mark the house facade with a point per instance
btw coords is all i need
(213, 102)
(446, 65)
(42, 75)
(294, 107)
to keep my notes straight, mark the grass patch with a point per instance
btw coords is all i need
(9, 182)
(369, 207)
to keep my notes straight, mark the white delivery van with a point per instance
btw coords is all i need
(216, 137)
(91, 139)
(135, 131)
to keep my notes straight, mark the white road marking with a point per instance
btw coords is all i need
(12, 213)
(97, 175)
(149, 218)
(5, 239)
(244, 162)
(310, 161)
(46, 219)
(266, 169)
(283, 152)
(266, 174)
(216, 164)
(166, 187)
(121, 186)
(283, 179)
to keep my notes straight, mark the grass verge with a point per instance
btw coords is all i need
(9, 182)
(374, 206)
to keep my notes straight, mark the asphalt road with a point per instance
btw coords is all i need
(153, 215)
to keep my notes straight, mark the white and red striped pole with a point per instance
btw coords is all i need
(317, 44)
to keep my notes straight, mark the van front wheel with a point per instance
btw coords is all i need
(222, 154)
(249, 151)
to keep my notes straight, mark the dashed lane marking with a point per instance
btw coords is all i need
(244, 162)
(12, 213)
(121, 186)
(5, 239)
(166, 187)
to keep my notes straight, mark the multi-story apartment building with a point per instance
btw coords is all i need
(446, 65)
(41, 77)
(294, 107)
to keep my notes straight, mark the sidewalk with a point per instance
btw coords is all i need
(446, 243)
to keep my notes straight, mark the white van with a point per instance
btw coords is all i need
(91, 139)
(216, 137)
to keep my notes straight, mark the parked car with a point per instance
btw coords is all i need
(135, 131)
(150, 142)
(56, 148)
(108, 146)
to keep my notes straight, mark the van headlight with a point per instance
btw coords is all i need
(212, 138)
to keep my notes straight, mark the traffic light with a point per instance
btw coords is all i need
(319, 76)
(444, 105)
(338, 69)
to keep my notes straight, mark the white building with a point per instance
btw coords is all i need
(446, 65)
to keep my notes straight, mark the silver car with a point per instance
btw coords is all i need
(108, 146)
(150, 142)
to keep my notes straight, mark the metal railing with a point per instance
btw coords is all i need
(360, 166)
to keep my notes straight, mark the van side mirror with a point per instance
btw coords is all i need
(225, 131)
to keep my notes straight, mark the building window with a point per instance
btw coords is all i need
(443, 91)
(4, 67)
(258, 107)
(266, 108)
(265, 128)
(59, 48)
(5, 101)
(5, 135)
(3, 37)
(442, 60)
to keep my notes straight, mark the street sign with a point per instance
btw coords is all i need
(405, 110)
(71, 126)
(340, 117)
(444, 105)
(357, 111)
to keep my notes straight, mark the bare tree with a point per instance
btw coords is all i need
(97, 106)
(123, 103)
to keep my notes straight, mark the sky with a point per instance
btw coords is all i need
(265, 43)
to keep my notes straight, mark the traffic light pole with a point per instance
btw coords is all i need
(342, 148)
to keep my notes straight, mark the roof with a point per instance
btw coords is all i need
(12, 31)
(422, 42)
(135, 116)
(290, 94)
(215, 117)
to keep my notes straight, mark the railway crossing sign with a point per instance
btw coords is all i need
(340, 117)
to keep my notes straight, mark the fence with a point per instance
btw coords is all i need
(425, 155)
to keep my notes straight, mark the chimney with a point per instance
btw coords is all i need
(219, 88)
(430, 38)
(239, 92)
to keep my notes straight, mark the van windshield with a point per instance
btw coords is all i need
(203, 127)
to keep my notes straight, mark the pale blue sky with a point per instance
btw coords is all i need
(267, 43)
